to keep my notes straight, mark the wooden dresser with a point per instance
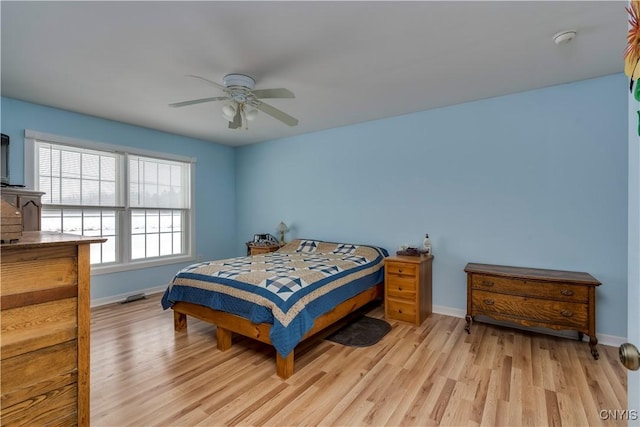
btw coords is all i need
(28, 202)
(407, 288)
(560, 300)
(44, 331)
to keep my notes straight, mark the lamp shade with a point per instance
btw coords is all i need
(282, 228)
(251, 114)
(228, 111)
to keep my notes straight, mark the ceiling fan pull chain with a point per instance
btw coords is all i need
(244, 118)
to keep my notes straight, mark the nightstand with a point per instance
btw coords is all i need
(407, 288)
(255, 249)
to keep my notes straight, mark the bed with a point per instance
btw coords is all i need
(279, 298)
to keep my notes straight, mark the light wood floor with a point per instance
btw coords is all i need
(143, 373)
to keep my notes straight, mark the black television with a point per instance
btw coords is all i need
(4, 160)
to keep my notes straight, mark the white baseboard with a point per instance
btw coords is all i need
(121, 297)
(448, 311)
(604, 339)
(611, 340)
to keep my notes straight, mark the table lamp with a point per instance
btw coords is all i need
(282, 228)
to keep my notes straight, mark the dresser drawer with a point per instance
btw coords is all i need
(401, 310)
(37, 326)
(401, 269)
(401, 287)
(52, 408)
(523, 308)
(560, 291)
(257, 250)
(37, 372)
(22, 272)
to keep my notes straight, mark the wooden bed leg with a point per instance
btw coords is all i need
(284, 365)
(179, 321)
(223, 336)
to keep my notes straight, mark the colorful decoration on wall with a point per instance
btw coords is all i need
(632, 53)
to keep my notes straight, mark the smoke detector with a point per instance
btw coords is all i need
(564, 37)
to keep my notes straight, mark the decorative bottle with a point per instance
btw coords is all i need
(426, 244)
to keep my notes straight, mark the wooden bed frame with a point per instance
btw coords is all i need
(227, 323)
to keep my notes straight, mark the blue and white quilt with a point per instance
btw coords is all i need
(288, 288)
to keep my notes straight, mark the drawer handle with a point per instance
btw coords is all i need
(399, 311)
(489, 301)
(400, 288)
(486, 283)
(566, 292)
(566, 313)
(400, 270)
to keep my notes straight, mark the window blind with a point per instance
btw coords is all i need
(158, 183)
(78, 176)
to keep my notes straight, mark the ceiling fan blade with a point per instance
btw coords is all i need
(273, 93)
(199, 101)
(237, 119)
(212, 83)
(276, 114)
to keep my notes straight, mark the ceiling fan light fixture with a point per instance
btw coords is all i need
(251, 114)
(242, 102)
(228, 112)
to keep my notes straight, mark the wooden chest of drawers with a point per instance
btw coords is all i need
(44, 331)
(533, 297)
(407, 288)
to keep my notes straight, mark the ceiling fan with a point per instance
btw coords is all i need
(244, 101)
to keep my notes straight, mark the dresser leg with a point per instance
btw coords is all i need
(593, 342)
(580, 336)
(469, 319)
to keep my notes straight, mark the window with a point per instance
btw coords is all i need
(78, 183)
(158, 198)
(139, 201)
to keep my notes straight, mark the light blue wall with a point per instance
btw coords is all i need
(214, 182)
(536, 179)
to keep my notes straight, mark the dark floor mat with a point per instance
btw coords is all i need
(361, 332)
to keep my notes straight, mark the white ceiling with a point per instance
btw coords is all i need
(346, 62)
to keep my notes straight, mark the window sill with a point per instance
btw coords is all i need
(137, 265)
